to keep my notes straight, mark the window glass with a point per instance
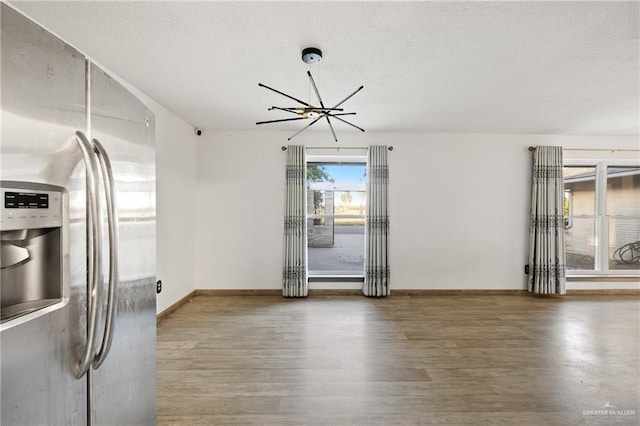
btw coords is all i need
(317, 200)
(580, 182)
(350, 202)
(623, 217)
(579, 217)
(336, 208)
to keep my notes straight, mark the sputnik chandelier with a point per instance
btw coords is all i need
(312, 55)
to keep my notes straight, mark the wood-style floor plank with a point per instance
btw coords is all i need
(402, 360)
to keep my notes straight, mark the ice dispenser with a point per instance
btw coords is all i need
(33, 227)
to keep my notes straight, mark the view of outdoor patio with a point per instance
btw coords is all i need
(336, 206)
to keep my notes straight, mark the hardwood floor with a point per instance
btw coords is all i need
(401, 360)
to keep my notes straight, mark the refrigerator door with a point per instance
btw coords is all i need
(43, 104)
(124, 386)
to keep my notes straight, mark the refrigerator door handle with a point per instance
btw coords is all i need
(93, 251)
(109, 189)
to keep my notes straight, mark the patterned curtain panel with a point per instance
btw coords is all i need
(376, 260)
(547, 259)
(294, 267)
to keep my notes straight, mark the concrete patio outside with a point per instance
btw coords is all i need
(346, 257)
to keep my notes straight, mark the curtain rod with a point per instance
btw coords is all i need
(284, 148)
(533, 148)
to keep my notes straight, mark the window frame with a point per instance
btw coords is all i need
(334, 275)
(601, 219)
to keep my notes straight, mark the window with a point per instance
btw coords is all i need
(580, 218)
(623, 218)
(336, 208)
(602, 218)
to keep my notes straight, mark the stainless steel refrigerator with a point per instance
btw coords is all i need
(77, 225)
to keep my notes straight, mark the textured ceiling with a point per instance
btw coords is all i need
(494, 67)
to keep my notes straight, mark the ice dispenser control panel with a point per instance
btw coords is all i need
(27, 209)
(26, 200)
(34, 267)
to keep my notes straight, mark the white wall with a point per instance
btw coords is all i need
(176, 150)
(240, 208)
(459, 206)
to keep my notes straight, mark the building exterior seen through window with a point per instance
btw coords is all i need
(602, 218)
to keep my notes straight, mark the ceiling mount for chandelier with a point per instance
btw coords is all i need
(311, 56)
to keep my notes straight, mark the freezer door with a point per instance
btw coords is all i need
(124, 386)
(43, 104)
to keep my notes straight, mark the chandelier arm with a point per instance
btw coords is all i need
(325, 109)
(346, 122)
(342, 113)
(335, 138)
(284, 94)
(348, 97)
(305, 128)
(291, 110)
(315, 88)
(309, 109)
(281, 120)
